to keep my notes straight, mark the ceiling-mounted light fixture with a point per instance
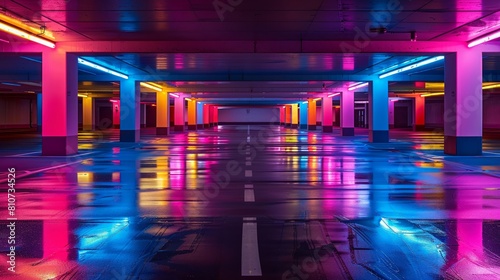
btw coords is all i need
(20, 29)
(102, 68)
(152, 86)
(413, 36)
(357, 85)
(432, 94)
(484, 39)
(174, 95)
(334, 94)
(82, 95)
(412, 66)
(491, 86)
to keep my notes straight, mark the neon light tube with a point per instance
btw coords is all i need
(334, 94)
(413, 66)
(358, 85)
(489, 37)
(305, 102)
(113, 101)
(491, 86)
(26, 35)
(174, 95)
(316, 99)
(82, 95)
(188, 99)
(101, 68)
(432, 94)
(154, 87)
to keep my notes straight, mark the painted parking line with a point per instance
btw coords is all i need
(249, 195)
(248, 163)
(250, 259)
(248, 173)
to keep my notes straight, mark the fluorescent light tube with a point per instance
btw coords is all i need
(102, 68)
(357, 85)
(334, 94)
(152, 86)
(484, 39)
(23, 34)
(175, 95)
(412, 66)
(432, 94)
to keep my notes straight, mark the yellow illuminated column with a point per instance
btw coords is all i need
(311, 114)
(88, 113)
(192, 117)
(162, 113)
(295, 116)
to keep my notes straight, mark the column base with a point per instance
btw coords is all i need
(288, 125)
(199, 126)
(192, 127)
(294, 126)
(463, 145)
(179, 127)
(117, 126)
(88, 128)
(143, 125)
(130, 136)
(206, 125)
(327, 129)
(303, 126)
(378, 136)
(39, 128)
(59, 145)
(162, 131)
(347, 131)
(311, 127)
(420, 127)
(391, 126)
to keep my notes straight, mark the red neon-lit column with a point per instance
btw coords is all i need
(59, 103)
(180, 111)
(463, 103)
(116, 113)
(211, 115)
(347, 113)
(295, 115)
(391, 113)
(378, 96)
(192, 106)
(311, 114)
(162, 113)
(419, 123)
(288, 115)
(206, 116)
(216, 115)
(327, 114)
(88, 113)
(282, 115)
(130, 110)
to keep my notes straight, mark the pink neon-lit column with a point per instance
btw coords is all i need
(162, 113)
(347, 113)
(206, 116)
(116, 113)
(327, 114)
(378, 96)
(282, 115)
(59, 103)
(311, 114)
(180, 111)
(419, 111)
(391, 113)
(463, 103)
(130, 110)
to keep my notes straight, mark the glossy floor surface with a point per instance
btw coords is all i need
(253, 202)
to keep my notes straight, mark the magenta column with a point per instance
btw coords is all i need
(327, 114)
(463, 103)
(347, 113)
(130, 110)
(116, 114)
(206, 116)
(59, 103)
(391, 113)
(180, 111)
(216, 115)
(282, 115)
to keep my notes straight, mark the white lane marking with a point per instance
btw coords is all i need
(248, 163)
(25, 154)
(248, 139)
(249, 195)
(249, 158)
(248, 152)
(248, 186)
(248, 173)
(250, 259)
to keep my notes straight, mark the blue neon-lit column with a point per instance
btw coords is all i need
(180, 111)
(39, 112)
(327, 117)
(311, 114)
(378, 96)
(199, 115)
(59, 103)
(130, 110)
(303, 115)
(347, 113)
(463, 103)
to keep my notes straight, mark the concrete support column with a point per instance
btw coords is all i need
(303, 120)
(311, 114)
(391, 113)
(88, 113)
(162, 113)
(179, 113)
(347, 113)
(130, 111)
(199, 115)
(463, 103)
(59, 103)
(39, 112)
(216, 115)
(282, 115)
(419, 111)
(378, 96)
(206, 116)
(288, 115)
(327, 114)
(211, 115)
(295, 116)
(192, 117)
(116, 113)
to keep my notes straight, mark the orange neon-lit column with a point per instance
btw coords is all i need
(206, 116)
(311, 114)
(88, 113)
(192, 106)
(327, 114)
(288, 115)
(130, 110)
(282, 115)
(59, 103)
(419, 123)
(180, 111)
(162, 113)
(463, 103)
(295, 116)
(347, 113)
